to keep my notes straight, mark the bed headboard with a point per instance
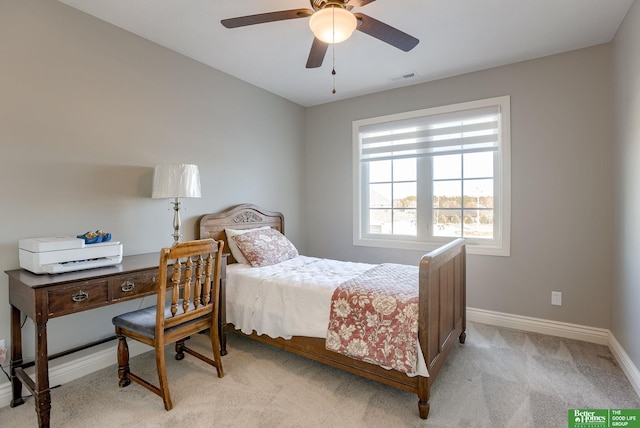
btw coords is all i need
(244, 216)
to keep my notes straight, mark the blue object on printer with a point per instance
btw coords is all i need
(95, 237)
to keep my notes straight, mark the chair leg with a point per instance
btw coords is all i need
(162, 377)
(123, 361)
(180, 349)
(215, 346)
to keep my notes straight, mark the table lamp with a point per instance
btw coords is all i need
(176, 180)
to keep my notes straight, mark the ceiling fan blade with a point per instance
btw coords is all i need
(260, 18)
(317, 53)
(386, 33)
(360, 3)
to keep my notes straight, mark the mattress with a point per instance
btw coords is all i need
(291, 298)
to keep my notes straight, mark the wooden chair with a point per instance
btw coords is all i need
(192, 272)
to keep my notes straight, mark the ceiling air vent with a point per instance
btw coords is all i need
(404, 76)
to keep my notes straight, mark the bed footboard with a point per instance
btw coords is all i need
(442, 316)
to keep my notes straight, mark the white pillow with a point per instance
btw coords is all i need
(233, 247)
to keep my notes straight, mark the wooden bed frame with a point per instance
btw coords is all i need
(442, 306)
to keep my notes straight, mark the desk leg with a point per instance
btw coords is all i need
(42, 394)
(16, 357)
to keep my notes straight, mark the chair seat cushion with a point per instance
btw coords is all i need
(143, 321)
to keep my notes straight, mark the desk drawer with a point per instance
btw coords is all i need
(77, 298)
(131, 286)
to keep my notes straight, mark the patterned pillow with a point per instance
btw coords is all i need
(265, 247)
(231, 243)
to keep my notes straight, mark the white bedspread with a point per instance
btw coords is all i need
(292, 298)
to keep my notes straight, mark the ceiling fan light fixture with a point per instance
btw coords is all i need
(333, 24)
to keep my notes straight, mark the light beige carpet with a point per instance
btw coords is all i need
(499, 378)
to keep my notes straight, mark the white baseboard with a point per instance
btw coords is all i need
(629, 369)
(570, 331)
(537, 325)
(76, 365)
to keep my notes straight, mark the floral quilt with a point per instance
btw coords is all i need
(374, 317)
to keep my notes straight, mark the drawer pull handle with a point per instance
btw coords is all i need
(80, 296)
(127, 286)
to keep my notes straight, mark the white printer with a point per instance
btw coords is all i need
(60, 254)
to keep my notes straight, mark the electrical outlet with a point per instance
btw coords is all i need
(3, 352)
(556, 298)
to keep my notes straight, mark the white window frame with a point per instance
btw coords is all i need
(501, 244)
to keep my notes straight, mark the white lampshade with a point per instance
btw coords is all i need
(333, 24)
(176, 180)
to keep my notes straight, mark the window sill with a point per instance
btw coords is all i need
(471, 246)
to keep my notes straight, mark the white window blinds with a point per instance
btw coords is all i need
(463, 131)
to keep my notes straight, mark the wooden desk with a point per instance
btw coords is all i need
(42, 297)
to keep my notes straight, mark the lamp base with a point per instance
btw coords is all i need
(176, 221)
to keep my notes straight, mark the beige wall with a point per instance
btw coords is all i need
(561, 183)
(625, 303)
(87, 109)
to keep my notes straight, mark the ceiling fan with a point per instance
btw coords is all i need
(328, 17)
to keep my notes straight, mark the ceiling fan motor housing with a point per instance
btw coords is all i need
(321, 4)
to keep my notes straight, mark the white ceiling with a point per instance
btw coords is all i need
(456, 36)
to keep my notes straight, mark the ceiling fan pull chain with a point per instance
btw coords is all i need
(333, 72)
(333, 52)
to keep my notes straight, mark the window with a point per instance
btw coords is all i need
(425, 177)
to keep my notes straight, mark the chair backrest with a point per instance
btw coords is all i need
(192, 270)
